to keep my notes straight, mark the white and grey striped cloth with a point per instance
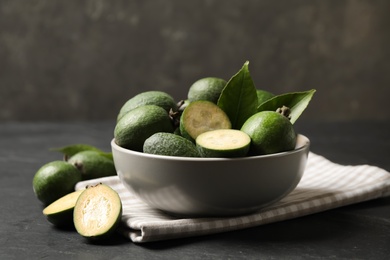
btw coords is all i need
(325, 185)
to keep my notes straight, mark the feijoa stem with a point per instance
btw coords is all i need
(284, 110)
(175, 117)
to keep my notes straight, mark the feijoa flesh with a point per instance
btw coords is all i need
(223, 143)
(202, 116)
(97, 212)
(60, 212)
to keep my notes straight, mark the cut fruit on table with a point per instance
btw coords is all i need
(97, 212)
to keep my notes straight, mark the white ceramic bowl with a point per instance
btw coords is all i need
(211, 186)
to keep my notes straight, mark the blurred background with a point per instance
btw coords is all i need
(81, 60)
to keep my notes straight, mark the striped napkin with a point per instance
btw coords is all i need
(324, 185)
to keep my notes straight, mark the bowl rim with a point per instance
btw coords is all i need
(304, 144)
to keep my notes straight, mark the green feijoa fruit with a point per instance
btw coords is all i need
(97, 212)
(223, 143)
(153, 97)
(139, 124)
(54, 180)
(60, 212)
(93, 164)
(171, 145)
(201, 116)
(72, 149)
(270, 132)
(209, 89)
(263, 95)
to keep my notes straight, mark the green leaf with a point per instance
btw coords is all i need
(238, 98)
(71, 150)
(296, 101)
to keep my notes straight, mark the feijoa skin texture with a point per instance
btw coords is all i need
(270, 132)
(54, 180)
(137, 125)
(171, 145)
(153, 97)
(223, 143)
(98, 212)
(93, 165)
(209, 89)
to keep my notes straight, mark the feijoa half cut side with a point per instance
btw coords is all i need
(60, 212)
(223, 143)
(97, 212)
(202, 116)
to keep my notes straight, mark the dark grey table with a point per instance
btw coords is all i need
(360, 231)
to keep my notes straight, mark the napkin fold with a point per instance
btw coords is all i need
(325, 185)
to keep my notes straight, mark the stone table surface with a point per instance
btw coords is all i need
(359, 231)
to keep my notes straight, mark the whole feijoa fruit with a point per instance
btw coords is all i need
(270, 132)
(137, 125)
(54, 180)
(93, 164)
(153, 97)
(170, 144)
(209, 89)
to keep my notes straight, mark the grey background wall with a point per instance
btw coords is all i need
(81, 60)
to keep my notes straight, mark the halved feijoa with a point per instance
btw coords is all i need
(202, 116)
(97, 212)
(60, 212)
(223, 143)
